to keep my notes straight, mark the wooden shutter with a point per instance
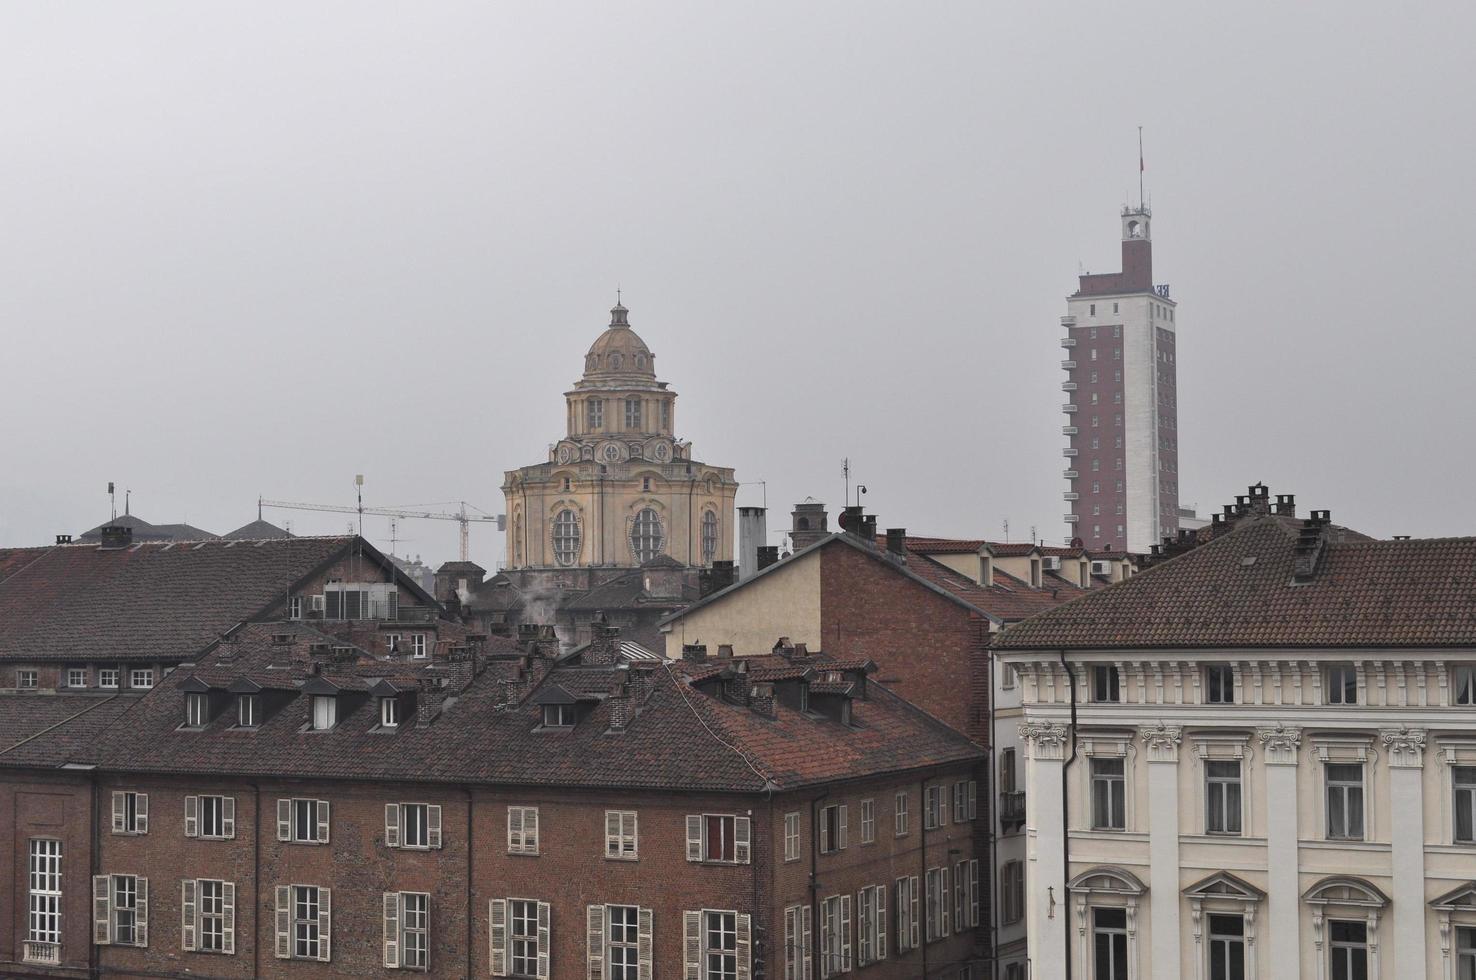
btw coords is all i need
(530, 829)
(543, 939)
(973, 800)
(845, 933)
(612, 833)
(433, 825)
(958, 802)
(824, 831)
(392, 825)
(228, 817)
(284, 922)
(284, 820)
(514, 829)
(974, 892)
(325, 921)
(102, 912)
(628, 833)
(497, 935)
(691, 935)
(141, 912)
(807, 940)
(228, 917)
(744, 944)
(392, 929)
(192, 816)
(189, 890)
(742, 838)
(595, 935)
(791, 942)
(943, 897)
(842, 823)
(879, 920)
(322, 815)
(914, 922)
(694, 837)
(645, 944)
(120, 813)
(141, 813)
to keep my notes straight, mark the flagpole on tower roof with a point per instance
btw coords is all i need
(1140, 167)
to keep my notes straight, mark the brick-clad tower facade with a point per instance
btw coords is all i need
(1122, 449)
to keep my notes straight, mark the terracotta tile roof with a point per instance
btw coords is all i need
(45, 729)
(1239, 590)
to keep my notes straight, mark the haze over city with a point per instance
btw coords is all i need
(257, 249)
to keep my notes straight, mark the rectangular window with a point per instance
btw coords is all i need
(307, 931)
(623, 941)
(1222, 796)
(197, 710)
(797, 942)
(130, 813)
(107, 677)
(899, 815)
(594, 413)
(43, 920)
(25, 680)
(559, 716)
(1344, 801)
(76, 677)
(1007, 770)
(933, 808)
(1342, 684)
(407, 930)
(908, 921)
(620, 835)
(871, 924)
(936, 885)
(141, 679)
(1109, 944)
(414, 825)
(835, 935)
(522, 830)
(129, 910)
(1219, 684)
(1109, 794)
(1226, 947)
(294, 607)
(719, 946)
(1012, 892)
(868, 821)
(791, 836)
(718, 838)
(248, 710)
(209, 909)
(632, 413)
(1349, 951)
(303, 821)
(834, 832)
(389, 712)
(1463, 684)
(1465, 803)
(324, 712)
(1106, 685)
(965, 800)
(1466, 953)
(418, 647)
(210, 817)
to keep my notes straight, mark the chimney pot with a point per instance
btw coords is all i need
(767, 555)
(63, 539)
(694, 652)
(116, 536)
(897, 540)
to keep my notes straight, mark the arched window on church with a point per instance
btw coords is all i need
(566, 537)
(709, 537)
(646, 535)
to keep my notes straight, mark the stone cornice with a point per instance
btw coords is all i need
(1162, 742)
(1280, 744)
(1405, 746)
(1047, 739)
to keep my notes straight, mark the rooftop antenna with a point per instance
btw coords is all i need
(1007, 530)
(1140, 168)
(112, 502)
(845, 471)
(359, 487)
(126, 495)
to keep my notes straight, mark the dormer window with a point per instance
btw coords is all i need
(324, 712)
(389, 713)
(248, 710)
(558, 716)
(197, 710)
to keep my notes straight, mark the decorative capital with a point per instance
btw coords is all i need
(1406, 747)
(1280, 744)
(1047, 739)
(1162, 742)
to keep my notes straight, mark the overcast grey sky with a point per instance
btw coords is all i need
(257, 248)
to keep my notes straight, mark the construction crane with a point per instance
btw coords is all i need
(461, 516)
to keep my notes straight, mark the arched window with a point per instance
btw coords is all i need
(566, 537)
(709, 537)
(646, 536)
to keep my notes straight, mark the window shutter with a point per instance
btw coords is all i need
(612, 833)
(433, 825)
(228, 917)
(958, 802)
(228, 817)
(284, 820)
(843, 824)
(188, 919)
(791, 924)
(392, 929)
(879, 920)
(628, 833)
(645, 944)
(943, 901)
(902, 946)
(974, 892)
(691, 934)
(530, 829)
(192, 816)
(497, 936)
(806, 939)
(284, 922)
(596, 938)
(845, 933)
(141, 912)
(973, 803)
(960, 882)
(742, 836)
(543, 940)
(322, 821)
(392, 825)
(914, 923)
(743, 945)
(694, 837)
(102, 913)
(514, 828)
(141, 812)
(325, 921)
(824, 834)
(119, 811)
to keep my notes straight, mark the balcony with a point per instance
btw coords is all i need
(1068, 365)
(1068, 341)
(1068, 385)
(48, 954)
(1071, 518)
(1068, 408)
(1069, 320)
(1068, 452)
(1070, 474)
(1068, 430)
(1012, 808)
(1071, 495)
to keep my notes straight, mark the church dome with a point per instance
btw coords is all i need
(618, 352)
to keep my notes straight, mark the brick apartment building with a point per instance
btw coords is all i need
(294, 806)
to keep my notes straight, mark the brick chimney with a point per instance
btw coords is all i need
(897, 541)
(619, 702)
(115, 536)
(1286, 505)
(761, 700)
(604, 645)
(715, 579)
(1311, 542)
(694, 652)
(768, 555)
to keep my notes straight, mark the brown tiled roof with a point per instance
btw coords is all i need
(1239, 590)
(1010, 599)
(148, 601)
(45, 729)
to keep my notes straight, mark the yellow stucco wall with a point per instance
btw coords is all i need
(790, 594)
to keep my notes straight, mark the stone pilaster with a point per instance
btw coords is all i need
(1279, 748)
(1161, 743)
(1405, 750)
(1047, 912)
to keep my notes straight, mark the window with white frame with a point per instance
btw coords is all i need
(210, 817)
(304, 922)
(908, 921)
(76, 677)
(1106, 684)
(717, 838)
(868, 821)
(936, 896)
(646, 535)
(1341, 684)
(632, 413)
(44, 877)
(415, 826)
(1222, 796)
(717, 944)
(1344, 800)
(303, 821)
(965, 800)
(834, 828)
(594, 413)
(107, 677)
(389, 712)
(294, 607)
(619, 942)
(792, 836)
(208, 916)
(419, 647)
(197, 709)
(522, 830)
(899, 815)
(130, 813)
(324, 712)
(248, 711)
(871, 925)
(523, 933)
(1109, 793)
(520, 937)
(1466, 953)
(407, 930)
(835, 935)
(26, 680)
(141, 678)
(1011, 892)
(1227, 947)
(1348, 954)
(1109, 944)
(1463, 684)
(1219, 684)
(797, 950)
(933, 812)
(120, 910)
(620, 835)
(1007, 770)
(1464, 796)
(709, 536)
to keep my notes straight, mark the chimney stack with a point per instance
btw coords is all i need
(604, 644)
(767, 555)
(63, 539)
(868, 529)
(116, 536)
(897, 541)
(752, 534)
(810, 523)
(761, 700)
(694, 652)
(714, 579)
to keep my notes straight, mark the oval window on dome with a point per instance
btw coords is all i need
(640, 360)
(646, 535)
(709, 537)
(566, 537)
(615, 360)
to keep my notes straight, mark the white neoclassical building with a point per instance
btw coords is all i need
(1256, 759)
